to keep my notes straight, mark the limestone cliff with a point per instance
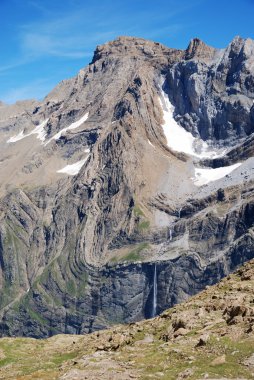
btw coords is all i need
(141, 162)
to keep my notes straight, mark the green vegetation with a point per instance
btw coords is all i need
(144, 225)
(167, 347)
(83, 278)
(134, 255)
(25, 302)
(60, 358)
(34, 359)
(141, 220)
(168, 361)
(71, 287)
(137, 211)
(36, 316)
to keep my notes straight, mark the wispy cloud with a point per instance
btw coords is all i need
(72, 35)
(35, 45)
(69, 30)
(75, 34)
(170, 30)
(13, 65)
(51, 39)
(38, 88)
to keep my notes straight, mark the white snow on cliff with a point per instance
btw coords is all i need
(179, 139)
(74, 125)
(16, 138)
(204, 176)
(73, 169)
(39, 131)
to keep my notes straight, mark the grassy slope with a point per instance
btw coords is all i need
(210, 336)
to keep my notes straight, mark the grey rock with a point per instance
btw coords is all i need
(78, 253)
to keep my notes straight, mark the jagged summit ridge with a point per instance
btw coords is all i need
(198, 49)
(133, 46)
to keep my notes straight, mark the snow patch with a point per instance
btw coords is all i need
(16, 138)
(39, 131)
(74, 125)
(204, 176)
(179, 139)
(149, 142)
(74, 168)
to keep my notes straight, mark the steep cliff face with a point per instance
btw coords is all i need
(210, 335)
(107, 196)
(213, 91)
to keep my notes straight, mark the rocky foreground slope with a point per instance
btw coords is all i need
(209, 337)
(128, 189)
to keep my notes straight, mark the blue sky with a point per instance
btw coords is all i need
(45, 41)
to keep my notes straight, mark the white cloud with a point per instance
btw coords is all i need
(75, 33)
(37, 44)
(38, 88)
(71, 35)
(72, 31)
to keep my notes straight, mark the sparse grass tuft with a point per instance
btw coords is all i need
(134, 255)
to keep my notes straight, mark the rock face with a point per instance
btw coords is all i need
(209, 336)
(213, 90)
(96, 195)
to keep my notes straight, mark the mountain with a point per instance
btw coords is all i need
(208, 337)
(128, 189)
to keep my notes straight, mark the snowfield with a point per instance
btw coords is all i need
(16, 138)
(74, 125)
(204, 176)
(73, 169)
(149, 142)
(39, 131)
(179, 139)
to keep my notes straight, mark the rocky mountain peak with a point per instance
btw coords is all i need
(132, 47)
(128, 189)
(241, 48)
(237, 43)
(197, 49)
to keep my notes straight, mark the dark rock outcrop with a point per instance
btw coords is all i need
(213, 92)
